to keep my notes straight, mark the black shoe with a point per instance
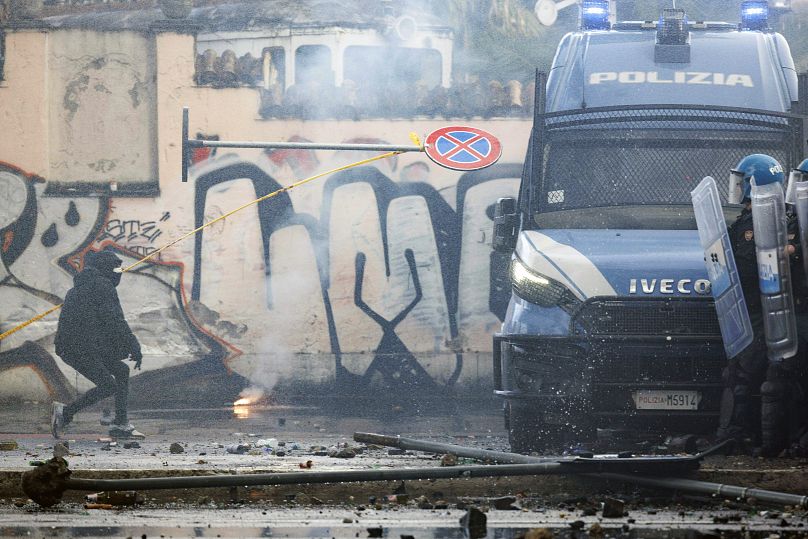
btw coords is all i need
(125, 432)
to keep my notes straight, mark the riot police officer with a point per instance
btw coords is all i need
(798, 425)
(757, 374)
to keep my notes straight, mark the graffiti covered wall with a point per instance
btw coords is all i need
(378, 277)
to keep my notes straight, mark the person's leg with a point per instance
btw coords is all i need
(95, 371)
(120, 371)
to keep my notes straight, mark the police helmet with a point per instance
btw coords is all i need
(798, 175)
(765, 169)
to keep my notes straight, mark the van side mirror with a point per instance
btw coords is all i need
(506, 225)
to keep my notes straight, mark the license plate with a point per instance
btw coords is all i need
(663, 399)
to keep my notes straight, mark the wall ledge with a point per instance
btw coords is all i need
(176, 26)
(149, 189)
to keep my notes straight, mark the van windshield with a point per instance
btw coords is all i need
(651, 162)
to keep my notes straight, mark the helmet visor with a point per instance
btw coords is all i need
(735, 187)
(796, 176)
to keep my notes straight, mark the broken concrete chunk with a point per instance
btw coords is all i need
(176, 448)
(267, 442)
(448, 460)
(613, 508)
(60, 450)
(424, 503)
(505, 503)
(342, 453)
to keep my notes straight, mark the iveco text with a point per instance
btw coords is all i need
(669, 286)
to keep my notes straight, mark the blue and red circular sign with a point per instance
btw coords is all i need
(462, 148)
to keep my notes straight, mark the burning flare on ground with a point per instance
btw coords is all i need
(248, 397)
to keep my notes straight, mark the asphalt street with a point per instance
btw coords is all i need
(284, 439)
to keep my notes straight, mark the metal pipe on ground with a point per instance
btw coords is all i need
(47, 483)
(670, 483)
(297, 478)
(712, 489)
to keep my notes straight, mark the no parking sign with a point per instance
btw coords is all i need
(462, 148)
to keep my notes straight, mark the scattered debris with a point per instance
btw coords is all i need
(589, 512)
(60, 449)
(342, 453)
(176, 448)
(682, 444)
(376, 532)
(131, 445)
(45, 484)
(423, 503)
(613, 508)
(449, 459)
(8, 445)
(395, 452)
(305, 465)
(267, 442)
(506, 503)
(99, 506)
(116, 497)
(237, 449)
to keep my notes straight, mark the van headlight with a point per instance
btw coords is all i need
(537, 288)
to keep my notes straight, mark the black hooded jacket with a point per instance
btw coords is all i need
(92, 324)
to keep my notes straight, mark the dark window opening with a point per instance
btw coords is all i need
(313, 65)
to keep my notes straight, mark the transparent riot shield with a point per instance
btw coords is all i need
(774, 272)
(800, 190)
(736, 330)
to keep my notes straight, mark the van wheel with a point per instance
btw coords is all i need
(527, 433)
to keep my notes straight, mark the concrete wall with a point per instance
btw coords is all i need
(270, 293)
(101, 107)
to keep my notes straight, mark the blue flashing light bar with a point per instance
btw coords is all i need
(595, 15)
(754, 15)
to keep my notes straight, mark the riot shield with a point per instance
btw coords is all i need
(774, 272)
(733, 318)
(800, 190)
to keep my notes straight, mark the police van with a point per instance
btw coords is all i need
(611, 322)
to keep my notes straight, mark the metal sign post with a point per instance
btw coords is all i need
(474, 154)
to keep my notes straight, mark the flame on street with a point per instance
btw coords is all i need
(242, 402)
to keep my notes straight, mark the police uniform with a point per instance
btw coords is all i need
(746, 371)
(762, 401)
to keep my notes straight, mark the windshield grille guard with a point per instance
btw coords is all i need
(633, 147)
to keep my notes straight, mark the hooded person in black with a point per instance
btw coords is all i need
(94, 338)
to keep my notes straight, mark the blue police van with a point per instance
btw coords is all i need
(611, 323)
